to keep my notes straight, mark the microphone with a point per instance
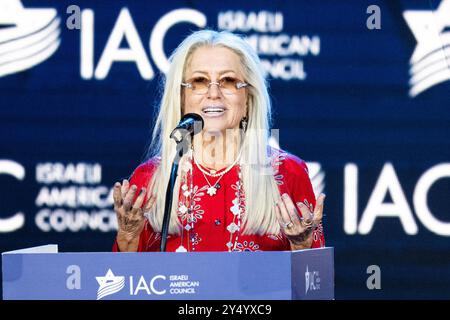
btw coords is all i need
(190, 123)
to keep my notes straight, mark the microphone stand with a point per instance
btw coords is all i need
(182, 147)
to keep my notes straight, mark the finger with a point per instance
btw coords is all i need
(117, 196)
(307, 216)
(278, 213)
(150, 202)
(318, 211)
(125, 187)
(283, 210)
(128, 200)
(292, 210)
(139, 201)
(281, 222)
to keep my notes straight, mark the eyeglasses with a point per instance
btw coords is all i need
(227, 85)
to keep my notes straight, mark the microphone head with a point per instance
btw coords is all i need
(190, 123)
(189, 117)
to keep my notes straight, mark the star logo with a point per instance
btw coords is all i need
(28, 36)
(430, 62)
(306, 280)
(109, 284)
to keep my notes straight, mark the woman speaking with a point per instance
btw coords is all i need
(233, 191)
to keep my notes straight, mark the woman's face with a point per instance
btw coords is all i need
(219, 110)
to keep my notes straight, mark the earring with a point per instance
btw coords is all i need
(243, 124)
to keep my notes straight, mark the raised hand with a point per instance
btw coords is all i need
(297, 228)
(130, 216)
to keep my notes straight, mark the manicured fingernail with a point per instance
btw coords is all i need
(133, 187)
(285, 195)
(117, 184)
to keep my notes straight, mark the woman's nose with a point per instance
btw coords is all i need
(214, 91)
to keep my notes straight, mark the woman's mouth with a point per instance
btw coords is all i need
(212, 112)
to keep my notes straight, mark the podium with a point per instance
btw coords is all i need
(41, 273)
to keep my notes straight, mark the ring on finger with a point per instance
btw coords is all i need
(287, 225)
(306, 223)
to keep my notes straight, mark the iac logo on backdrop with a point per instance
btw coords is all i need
(30, 36)
(55, 195)
(71, 198)
(267, 39)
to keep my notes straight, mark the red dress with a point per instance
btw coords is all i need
(209, 227)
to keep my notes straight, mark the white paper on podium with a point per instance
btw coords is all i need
(49, 248)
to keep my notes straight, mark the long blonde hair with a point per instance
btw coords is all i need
(260, 187)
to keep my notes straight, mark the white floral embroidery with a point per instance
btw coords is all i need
(235, 209)
(279, 179)
(182, 213)
(183, 209)
(181, 249)
(197, 212)
(232, 227)
(239, 191)
(277, 159)
(187, 166)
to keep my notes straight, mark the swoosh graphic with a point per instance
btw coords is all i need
(111, 289)
(31, 36)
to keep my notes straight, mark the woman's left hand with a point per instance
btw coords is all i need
(297, 228)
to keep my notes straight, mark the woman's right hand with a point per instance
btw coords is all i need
(130, 216)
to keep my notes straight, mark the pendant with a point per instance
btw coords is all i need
(211, 191)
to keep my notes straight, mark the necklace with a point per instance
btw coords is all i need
(212, 190)
(213, 173)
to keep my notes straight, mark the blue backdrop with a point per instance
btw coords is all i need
(360, 91)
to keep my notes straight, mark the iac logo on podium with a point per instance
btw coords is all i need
(312, 280)
(110, 284)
